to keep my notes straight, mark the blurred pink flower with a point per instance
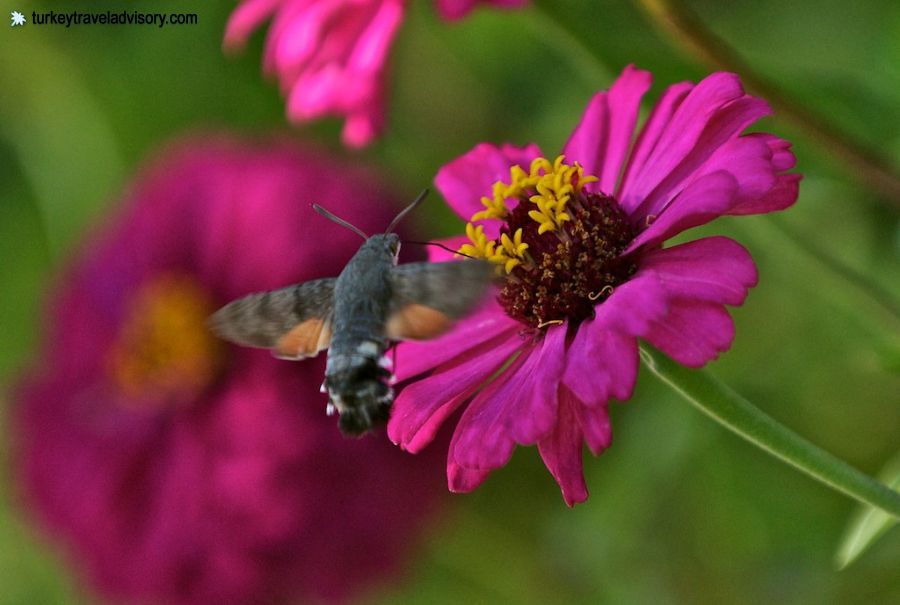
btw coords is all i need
(330, 56)
(580, 240)
(174, 468)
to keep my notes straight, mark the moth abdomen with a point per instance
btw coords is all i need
(358, 385)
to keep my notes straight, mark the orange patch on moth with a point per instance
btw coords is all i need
(416, 322)
(304, 340)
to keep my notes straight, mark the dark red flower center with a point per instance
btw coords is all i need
(560, 246)
(573, 269)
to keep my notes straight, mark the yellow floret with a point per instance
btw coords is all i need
(549, 186)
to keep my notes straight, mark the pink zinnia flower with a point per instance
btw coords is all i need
(580, 242)
(331, 55)
(177, 469)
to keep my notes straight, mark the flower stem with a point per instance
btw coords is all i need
(729, 409)
(868, 524)
(866, 165)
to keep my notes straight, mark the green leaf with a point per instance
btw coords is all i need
(868, 523)
(729, 409)
(65, 145)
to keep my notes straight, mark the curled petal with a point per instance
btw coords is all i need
(561, 450)
(755, 160)
(782, 195)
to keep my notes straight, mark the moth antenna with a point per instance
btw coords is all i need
(339, 221)
(406, 211)
(440, 246)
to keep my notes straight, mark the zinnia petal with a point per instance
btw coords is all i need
(601, 141)
(601, 363)
(421, 407)
(414, 358)
(468, 178)
(713, 269)
(561, 451)
(633, 307)
(249, 15)
(705, 199)
(457, 9)
(694, 332)
(595, 424)
(648, 139)
(713, 112)
(755, 160)
(479, 443)
(462, 480)
(519, 406)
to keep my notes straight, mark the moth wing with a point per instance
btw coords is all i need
(428, 297)
(305, 339)
(295, 322)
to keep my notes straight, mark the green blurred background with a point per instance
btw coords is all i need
(681, 511)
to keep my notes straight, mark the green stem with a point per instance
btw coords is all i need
(729, 409)
(869, 167)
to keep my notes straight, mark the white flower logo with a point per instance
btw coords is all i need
(17, 18)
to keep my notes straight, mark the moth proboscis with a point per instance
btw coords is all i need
(356, 316)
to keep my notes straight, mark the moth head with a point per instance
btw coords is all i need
(392, 240)
(385, 243)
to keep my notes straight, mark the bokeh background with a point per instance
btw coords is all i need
(680, 510)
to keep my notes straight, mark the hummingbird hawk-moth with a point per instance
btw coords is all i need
(356, 316)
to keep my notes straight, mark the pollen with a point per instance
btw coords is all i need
(163, 350)
(560, 246)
